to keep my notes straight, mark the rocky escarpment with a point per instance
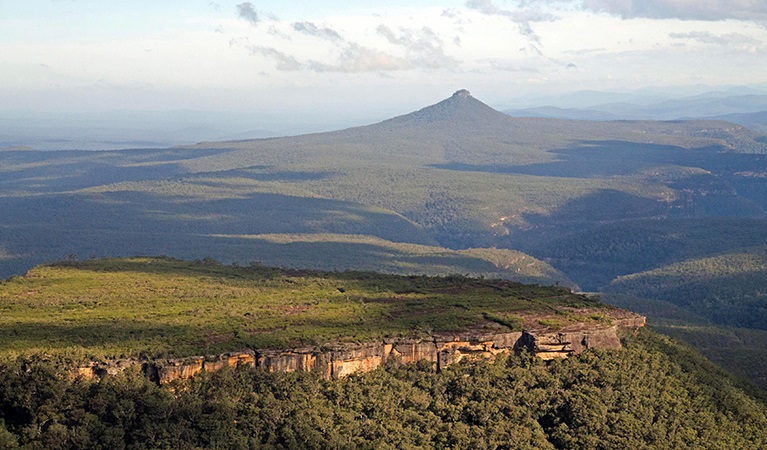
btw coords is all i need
(339, 360)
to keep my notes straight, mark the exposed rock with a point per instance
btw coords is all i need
(287, 360)
(180, 369)
(456, 348)
(102, 369)
(354, 358)
(414, 350)
(230, 360)
(551, 345)
(632, 322)
(340, 360)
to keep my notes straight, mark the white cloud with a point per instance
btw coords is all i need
(356, 58)
(313, 30)
(714, 10)
(284, 62)
(246, 12)
(733, 40)
(503, 45)
(423, 47)
(522, 17)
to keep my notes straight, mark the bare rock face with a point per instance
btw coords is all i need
(102, 369)
(340, 360)
(453, 349)
(414, 350)
(182, 369)
(630, 321)
(287, 360)
(230, 360)
(354, 358)
(552, 345)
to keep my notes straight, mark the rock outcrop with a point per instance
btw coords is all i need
(340, 360)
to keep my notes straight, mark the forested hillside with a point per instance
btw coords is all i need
(651, 394)
(601, 203)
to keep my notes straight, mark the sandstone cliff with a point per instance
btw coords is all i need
(339, 360)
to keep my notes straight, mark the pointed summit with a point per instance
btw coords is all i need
(462, 93)
(460, 109)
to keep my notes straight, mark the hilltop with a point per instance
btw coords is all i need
(161, 307)
(125, 318)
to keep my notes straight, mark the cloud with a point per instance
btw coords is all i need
(710, 10)
(585, 51)
(450, 13)
(521, 17)
(408, 49)
(313, 30)
(356, 58)
(283, 61)
(423, 47)
(246, 12)
(508, 66)
(274, 31)
(679, 9)
(707, 37)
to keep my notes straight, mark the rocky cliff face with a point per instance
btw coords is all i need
(340, 360)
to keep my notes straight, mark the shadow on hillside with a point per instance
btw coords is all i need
(732, 298)
(120, 333)
(69, 170)
(596, 159)
(327, 256)
(264, 173)
(38, 229)
(239, 214)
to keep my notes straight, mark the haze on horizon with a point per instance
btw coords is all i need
(287, 67)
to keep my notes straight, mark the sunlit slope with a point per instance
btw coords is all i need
(164, 307)
(354, 252)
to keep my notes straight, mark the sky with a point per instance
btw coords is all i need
(360, 60)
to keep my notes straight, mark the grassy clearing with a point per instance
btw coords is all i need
(161, 307)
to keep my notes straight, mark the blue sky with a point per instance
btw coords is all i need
(363, 58)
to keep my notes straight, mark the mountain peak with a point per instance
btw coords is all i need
(460, 109)
(462, 93)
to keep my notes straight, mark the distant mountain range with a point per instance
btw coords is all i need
(745, 109)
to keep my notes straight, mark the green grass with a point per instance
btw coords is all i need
(150, 307)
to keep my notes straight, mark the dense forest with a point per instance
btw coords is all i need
(653, 393)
